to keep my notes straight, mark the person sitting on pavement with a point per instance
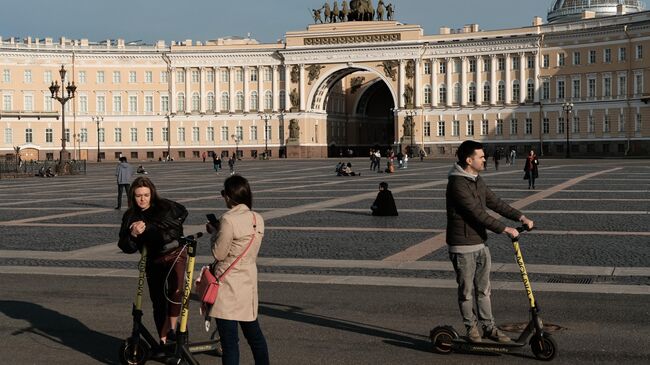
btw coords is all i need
(384, 204)
(141, 170)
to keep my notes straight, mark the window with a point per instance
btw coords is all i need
(180, 134)
(486, 91)
(516, 62)
(470, 128)
(239, 75)
(560, 89)
(28, 103)
(501, 64)
(546, 126)
(484, 127)
(283, 100)
(442, 93)
(499, 127)
(47, 103)
(606, 124)
(180, 102)
(196, 76)
(164, 103)
(516, 91)
(472, 65)
(180, 76)
(530, 62)
(427, 129)
(607, 86)
(82, 77)
(254, 101)
(239, 132)
(545, 61)
(268, 74)
(117, 104)
(28, 135)
(427, 68)
(132, 77)
(457, 65)
(149, 134)
(501, 92)
(560, 125)
(637, 124)
(442, 67)
(102, 135)
(47, 77)
(254, 74)
(253, 133)
(592, 57)
(441, 128)
(561, 59)
(118, 135)
(210, 76)
(117, 77)
(225, 75)
(575, 127)
(133, 103)
(591, 88)
(487, 65)
(530, 90)
(7, 103)
(196, 102)
(165, 134)
(607, 55)
(195, 134)
(148, 103)
(6, 75)
(49, 135)
(27, 76)
(268, 100)
(210, 134)
(638, 84)
(224, 133)
(472, 93)
(427, 94)
(639, 51)
(621, 122)
(591, 124)
(576, 89)
(513, 127)
(529, 126)
(225, 100)
(148, 77)
(268, 135)
(83, 104)
(576, 58)
(239, 101)
(8, 135)
(163, 76)
(622, 85)
(210, 101)
(455, 128)
(621, 54)
(457, 93)
(134, 134)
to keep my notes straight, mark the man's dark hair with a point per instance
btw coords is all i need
(465, 150)
(122, 159)
(383, 185)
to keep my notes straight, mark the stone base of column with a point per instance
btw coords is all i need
(295, 150)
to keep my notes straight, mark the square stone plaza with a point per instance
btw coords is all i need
(592, 219)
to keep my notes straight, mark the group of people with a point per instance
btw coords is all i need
(156, 223)
(216, 163)
(345, 169)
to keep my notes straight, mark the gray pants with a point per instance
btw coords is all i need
(473, 278)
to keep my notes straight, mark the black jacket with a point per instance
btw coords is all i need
(467, 201)
(164, 224)
(384, 204)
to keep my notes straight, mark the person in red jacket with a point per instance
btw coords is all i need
(530, 167)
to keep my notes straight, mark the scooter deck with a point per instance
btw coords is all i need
(485, 343)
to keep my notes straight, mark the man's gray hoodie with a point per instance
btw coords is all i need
(124, 172)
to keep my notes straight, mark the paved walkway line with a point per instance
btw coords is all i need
(352, 280)
(435, 243)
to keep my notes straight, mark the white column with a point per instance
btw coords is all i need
(402, 83)
(536, 78)
(450, 86)
(435, 98)
(287, 86)
(302, 87)
(479, 80)
(217, 90)
(493, 79)
(275, 88)
(417, 89)
(509, 80)
(246, 81)
(188, 89)
(463, 81)
(523, 81)
(231, 89)
(260, 88)
(172, 92)
(202, 90)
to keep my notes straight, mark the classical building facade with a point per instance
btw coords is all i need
(337, 87)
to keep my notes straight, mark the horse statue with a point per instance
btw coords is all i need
(368, 10)
(380, 10)
(335, 13)
(327, 12)
(361, 10)
(343, 14)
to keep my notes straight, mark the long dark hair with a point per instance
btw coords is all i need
(237, 189)
(143, 182)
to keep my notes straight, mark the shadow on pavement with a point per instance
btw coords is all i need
(392, 337)
(62, 329)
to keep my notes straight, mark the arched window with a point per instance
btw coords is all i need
(530, 90)
(196, 102)
(501, 91)
(225, 101)
(283, 99)
(471, 97)
(210, 101)
(486, 91)
(457, 94)
(239, 101)
(254, 100)
(268, 100)
(427, 94)
(442, 93)
(180, 105)
(516, 91)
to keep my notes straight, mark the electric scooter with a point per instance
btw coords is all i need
(142, 346)
(445, 339)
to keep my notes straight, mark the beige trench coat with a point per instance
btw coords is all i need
(237, 299)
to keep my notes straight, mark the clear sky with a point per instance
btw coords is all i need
(266, 20)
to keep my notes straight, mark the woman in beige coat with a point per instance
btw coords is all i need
(239, 228)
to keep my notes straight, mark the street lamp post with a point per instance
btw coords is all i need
(567, 107)
(169, 137)
(98, 119)
(410, 114)
(266, 117)
(54, 89)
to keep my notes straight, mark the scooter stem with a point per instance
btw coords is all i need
(524, 274)
(142, 266)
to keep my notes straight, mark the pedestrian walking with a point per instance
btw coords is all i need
(421, 155)
(235, 245)
(216, 162)
(204, 155)
(496, 158)
(513, 155)
(123, 172)
(468, 199)
(530, 168)
(406, 161)
(231, 165)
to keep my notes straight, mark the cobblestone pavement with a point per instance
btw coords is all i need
(592, 217)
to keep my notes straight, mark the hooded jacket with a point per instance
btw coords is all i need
(123, 173)
(468, 198)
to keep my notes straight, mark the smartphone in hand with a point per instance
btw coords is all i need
(212, 219)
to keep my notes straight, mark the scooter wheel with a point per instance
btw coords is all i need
(133, 353)
(544, 347)
(441, 339)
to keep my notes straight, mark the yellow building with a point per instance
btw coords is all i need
(336, 87)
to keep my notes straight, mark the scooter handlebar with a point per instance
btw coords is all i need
(524, 228)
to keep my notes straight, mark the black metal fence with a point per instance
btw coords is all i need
(12, 169)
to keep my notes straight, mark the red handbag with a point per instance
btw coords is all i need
(207, 286)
